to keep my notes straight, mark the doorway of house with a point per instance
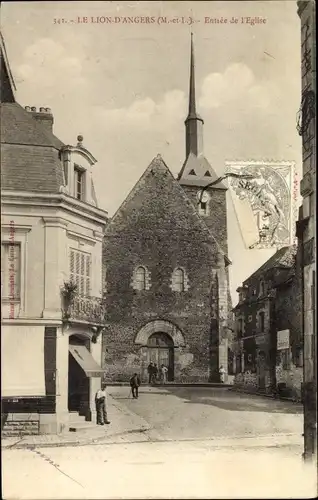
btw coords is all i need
(161, 351)
(262, 370)
(78, 382)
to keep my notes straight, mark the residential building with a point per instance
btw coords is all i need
(306, 226)
(166, 269)
(268, 343)
(51, 248)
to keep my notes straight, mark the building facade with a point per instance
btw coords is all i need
(306, 226)
(165, 269)
(51, 247)
(268, 345)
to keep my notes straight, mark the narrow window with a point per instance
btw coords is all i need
(11, 270)
(261, 321)
(79, 183)
(240, 328)
(140, 278)
(178, 280)
(203, 203)
(80, 271)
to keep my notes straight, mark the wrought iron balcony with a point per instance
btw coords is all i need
(83, 309)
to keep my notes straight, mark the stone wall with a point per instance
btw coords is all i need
(159, 228)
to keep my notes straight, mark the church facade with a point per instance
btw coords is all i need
(165, 269)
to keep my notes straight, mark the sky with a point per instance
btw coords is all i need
(124, 86)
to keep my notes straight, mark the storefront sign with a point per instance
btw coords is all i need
(283, 339)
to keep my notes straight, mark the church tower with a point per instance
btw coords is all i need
(197, 173)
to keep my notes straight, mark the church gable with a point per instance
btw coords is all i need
(158, 201)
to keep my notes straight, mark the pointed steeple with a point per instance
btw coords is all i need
(193, 123)
(192, 97)
(196, 170)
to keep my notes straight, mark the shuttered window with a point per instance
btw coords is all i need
(80, 271)
(10, 270)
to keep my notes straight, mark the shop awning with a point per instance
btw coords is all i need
(22, 361)
(86, 361)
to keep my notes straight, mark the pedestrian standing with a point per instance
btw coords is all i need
(135, 384)
(101, 406)
(155, 373)
(150, 371)
(164, 373)
(222, 374)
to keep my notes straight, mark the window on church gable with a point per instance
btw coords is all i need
(179, 280)
(192, 172)
(141, 279)
(207, 174)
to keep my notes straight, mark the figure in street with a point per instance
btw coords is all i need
(101, 406)
(135, 384)
(164, 374)
(155, 374)
(150, 371)
(222, 374)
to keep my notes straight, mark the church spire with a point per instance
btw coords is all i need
(193, 123)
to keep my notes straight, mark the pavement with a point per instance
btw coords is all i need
(165, 413)
(172, 442)
(123, 422)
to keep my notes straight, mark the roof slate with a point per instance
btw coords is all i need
(200, 165)
(25, 168)
(283, 258)
(29, 153)
(19, 127)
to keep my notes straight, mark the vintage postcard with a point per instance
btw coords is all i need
(158, 249)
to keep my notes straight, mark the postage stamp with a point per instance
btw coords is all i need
(265, 204)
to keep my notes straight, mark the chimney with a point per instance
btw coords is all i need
(43, 116)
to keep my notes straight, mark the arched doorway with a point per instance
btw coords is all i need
(160, 351)
(160, 341)
(78, 382)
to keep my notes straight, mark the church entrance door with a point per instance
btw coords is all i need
(161, 351)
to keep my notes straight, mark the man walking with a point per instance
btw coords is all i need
(135, 384)
(101, 409)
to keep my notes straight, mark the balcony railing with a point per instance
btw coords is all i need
(83, 309)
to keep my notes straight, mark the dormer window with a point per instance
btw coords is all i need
(79, 183)
(261, 288)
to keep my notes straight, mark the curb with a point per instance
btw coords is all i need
(271, 396)
(61, 444)
(243, 442)
(172, 384)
